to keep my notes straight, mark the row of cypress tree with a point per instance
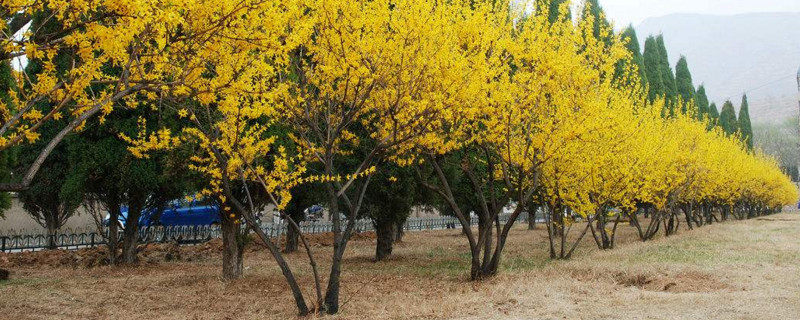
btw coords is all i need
(677, 87)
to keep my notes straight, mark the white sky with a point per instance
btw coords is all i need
(625, 12)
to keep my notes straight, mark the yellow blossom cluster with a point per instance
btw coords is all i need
(414, 77)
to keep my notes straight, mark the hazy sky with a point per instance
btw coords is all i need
(625, 12)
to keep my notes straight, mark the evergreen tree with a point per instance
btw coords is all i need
(388, 203)
(8, 156)
(727, 118)
(667, 76)
(600, 22)
(744, 123)
(50, 200)
(666, 70)
(701, 100)
(712, 111)
(713, 116)
(652, 69)
(304, 196)
(629, 34)
(103, 169)
(683, 81)
(551, 8)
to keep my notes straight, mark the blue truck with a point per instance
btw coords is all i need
(176, 213)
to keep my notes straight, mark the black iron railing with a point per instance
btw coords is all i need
(72, 240)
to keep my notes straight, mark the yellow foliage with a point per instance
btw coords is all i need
(414, 76)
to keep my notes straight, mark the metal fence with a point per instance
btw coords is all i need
(72, 240)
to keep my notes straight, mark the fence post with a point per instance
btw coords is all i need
(3, 248)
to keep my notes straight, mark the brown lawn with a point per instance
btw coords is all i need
(735, 270)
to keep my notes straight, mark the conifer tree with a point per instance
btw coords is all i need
(701, 100)
(744, 123)
(600, 20)
(727, 118)
(550, 8)
(666, 70)
(713, 116)
(652, 69)
(667, 76)
(7, 157)
(713, 111)
(683, 82)
(629, 34)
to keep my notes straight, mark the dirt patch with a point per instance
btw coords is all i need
(681, 281)
(688, 281)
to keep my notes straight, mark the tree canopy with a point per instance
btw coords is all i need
(683, 82)
(727, 119)
(701, 100)
(745, 128)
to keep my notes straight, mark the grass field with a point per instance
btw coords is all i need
(736, 270)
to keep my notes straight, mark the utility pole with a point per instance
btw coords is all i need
(798, 105)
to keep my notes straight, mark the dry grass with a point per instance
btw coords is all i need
(740, 270)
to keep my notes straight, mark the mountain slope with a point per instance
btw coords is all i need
(758, 53)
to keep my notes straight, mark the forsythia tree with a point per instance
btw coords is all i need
(372, 80)
(118, 52)
(484, 101)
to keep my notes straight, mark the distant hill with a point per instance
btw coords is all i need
(758, 53)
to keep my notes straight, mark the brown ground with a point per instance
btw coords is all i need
(736, 270)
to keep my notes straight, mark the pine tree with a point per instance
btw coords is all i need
(629, 34)
(727, 118)
(701, 100)
(652, 69)
(744, 123)
(683, 82)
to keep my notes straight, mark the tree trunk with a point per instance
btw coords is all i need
(130, 236)
(51, 223)
(113, 232)
(332, 291)
(232, 250)
(384, 229)
(398, 232)
(532, 216)
(292, 238)
(688, 214)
